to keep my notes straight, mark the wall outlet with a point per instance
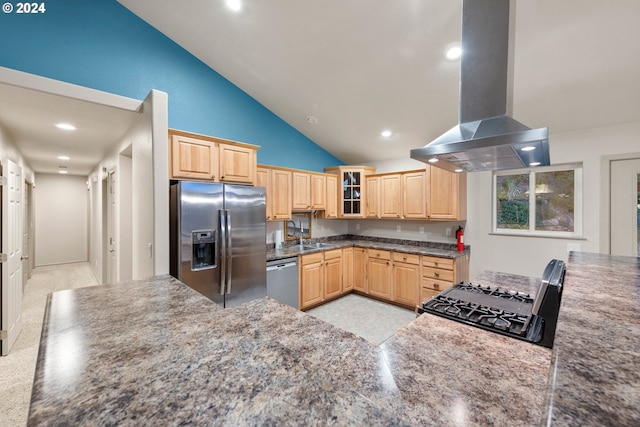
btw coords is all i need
(421, 230)
(398, 229)
(447, 231)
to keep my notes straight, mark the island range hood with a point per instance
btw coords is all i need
(486, 138)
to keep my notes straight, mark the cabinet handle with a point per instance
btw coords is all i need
(213, 177)
(436, 273)
(436, 286)
(404, 258)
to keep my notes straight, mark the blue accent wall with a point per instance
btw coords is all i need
(102, 45)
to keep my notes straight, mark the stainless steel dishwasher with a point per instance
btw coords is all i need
(282, 280)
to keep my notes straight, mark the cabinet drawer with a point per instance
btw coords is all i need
(408, 258)
(379, 254)
(437, 273)
(435, 285)
(426, 293)
(440, 263)
(311, 258)
(333, 253)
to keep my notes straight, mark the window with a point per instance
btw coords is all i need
(539, 202)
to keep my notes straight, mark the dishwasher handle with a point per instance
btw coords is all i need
(281, 266)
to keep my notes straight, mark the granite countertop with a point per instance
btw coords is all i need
(595, 372)
(156, 351)
(442, 250)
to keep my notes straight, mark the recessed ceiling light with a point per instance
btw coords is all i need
(528, 148)
(65, 126)
(459, 170)
(453, 52)
(432, 160)
(63, 158)
(62, 171)
(312, 120)
(534, 164)
(386, 133)
(234, 5)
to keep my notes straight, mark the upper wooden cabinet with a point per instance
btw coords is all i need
(373, 196)
(201, 157)
(391, 196)
(414, 195)
(278, 185)
(301, 191)
(351, 196)
(331, 209)
(193, 158)
(447, 194)
(318, 191)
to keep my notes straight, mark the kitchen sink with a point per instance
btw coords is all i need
(316, 246)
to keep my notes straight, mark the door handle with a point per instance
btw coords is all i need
(229, 251)
(22, 258)
(223, 250)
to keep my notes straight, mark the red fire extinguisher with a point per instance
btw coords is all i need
(460, 237)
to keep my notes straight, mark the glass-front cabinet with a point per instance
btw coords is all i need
(352, 192)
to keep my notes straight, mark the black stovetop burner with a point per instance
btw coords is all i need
(507, 312)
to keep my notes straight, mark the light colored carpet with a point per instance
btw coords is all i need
(370, 319)
(18, 367)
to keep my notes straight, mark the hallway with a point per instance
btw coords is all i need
(17, 369)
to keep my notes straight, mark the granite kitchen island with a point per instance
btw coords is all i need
(156, 352)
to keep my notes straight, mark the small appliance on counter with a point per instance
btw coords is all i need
(511, 313)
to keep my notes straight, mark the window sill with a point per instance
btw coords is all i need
(536, 235)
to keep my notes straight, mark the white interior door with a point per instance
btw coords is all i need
(12, 248)
(625, 176)
(111, 229)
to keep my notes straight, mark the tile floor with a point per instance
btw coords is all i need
(373, 320)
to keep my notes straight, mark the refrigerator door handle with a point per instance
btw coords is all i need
(229, 250)
(222, 220)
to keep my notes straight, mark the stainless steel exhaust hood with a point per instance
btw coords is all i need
(486, 138)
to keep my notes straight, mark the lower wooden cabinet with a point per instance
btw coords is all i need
(320, 277)
(379, 273)
(311, 280)
(360, 270)
(439, 274)
(398, 277)
(347, 269)
(406, 278)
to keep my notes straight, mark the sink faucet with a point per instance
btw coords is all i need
(293, 223)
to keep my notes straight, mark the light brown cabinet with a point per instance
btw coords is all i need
(318, 191)
(331, 208)
(414, 193)
(278, 185)
(301, 191)
(391, 196)
(207, 158)
(193, 158)
(406, 279)
(311, 280)
(320, 277)
(379, 273)
(347, 269)
(332, 274)
(439, 274)
(351, 196)
(360, 270)
(447, 194)
(372, 184)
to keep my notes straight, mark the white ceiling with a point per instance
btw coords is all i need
(30, 116)
(361, 66)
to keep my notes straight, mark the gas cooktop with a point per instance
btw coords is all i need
(507, 312)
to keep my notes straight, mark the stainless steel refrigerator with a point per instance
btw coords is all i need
(218, 240)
